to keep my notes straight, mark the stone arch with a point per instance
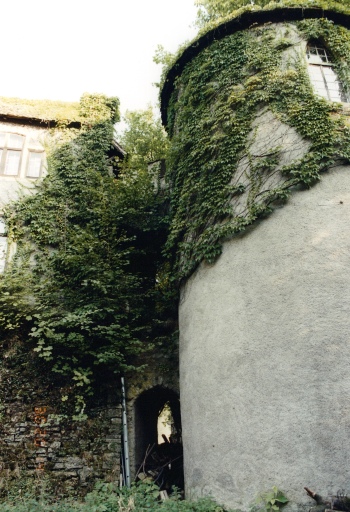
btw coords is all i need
(147, 408)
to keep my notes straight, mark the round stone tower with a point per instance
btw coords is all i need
(260, 177)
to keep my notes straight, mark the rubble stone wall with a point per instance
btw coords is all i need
(70, 456)
(39, 441)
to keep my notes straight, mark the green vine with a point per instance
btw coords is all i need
(81, 289)
(224, 172)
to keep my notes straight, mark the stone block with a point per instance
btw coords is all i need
(73, 463)
(70, 474)
(113, 413)
(52, 428)
(114, 430)
(113, 439)
(114, 447)
(40, 459)
(41, 451)
(59, 466)
(55, 445)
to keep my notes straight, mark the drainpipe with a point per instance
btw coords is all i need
(125, 438)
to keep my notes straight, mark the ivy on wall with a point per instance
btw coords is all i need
(81, 289)
(223, 173)
(212, 13)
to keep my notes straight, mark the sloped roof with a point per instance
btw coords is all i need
(44, 112)
(118, 148)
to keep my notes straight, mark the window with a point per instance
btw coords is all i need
(10, 152)
(20, 156)
(34, 164)
(322, 76)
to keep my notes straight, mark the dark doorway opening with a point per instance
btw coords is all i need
(158, 443)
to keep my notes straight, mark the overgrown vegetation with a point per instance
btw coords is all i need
(271, 501)
(81, 290)
(89, 288)
(223, 176)
(144, 140)
(110, 498)
(211, 11)
(45, 110)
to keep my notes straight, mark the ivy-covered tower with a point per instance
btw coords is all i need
(260, 175)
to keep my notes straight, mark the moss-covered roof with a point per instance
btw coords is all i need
(39, 111)
(243, 19)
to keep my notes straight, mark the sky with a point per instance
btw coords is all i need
(59, 50)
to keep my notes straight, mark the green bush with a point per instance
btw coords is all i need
(108, 497)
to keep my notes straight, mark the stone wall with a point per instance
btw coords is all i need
(40, 441)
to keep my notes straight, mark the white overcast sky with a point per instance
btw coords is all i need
(61, 49)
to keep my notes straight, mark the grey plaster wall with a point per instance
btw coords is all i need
(265, 355)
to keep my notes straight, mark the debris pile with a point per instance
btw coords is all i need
(163, 465)
(338, 502)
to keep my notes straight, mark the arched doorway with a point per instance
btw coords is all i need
(158, 454)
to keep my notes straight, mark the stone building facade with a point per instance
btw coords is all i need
(264, 327)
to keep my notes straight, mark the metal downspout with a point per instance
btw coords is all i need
(125, 438)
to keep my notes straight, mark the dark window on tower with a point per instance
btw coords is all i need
(322, 75)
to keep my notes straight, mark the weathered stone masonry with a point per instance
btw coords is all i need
(38, 441)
